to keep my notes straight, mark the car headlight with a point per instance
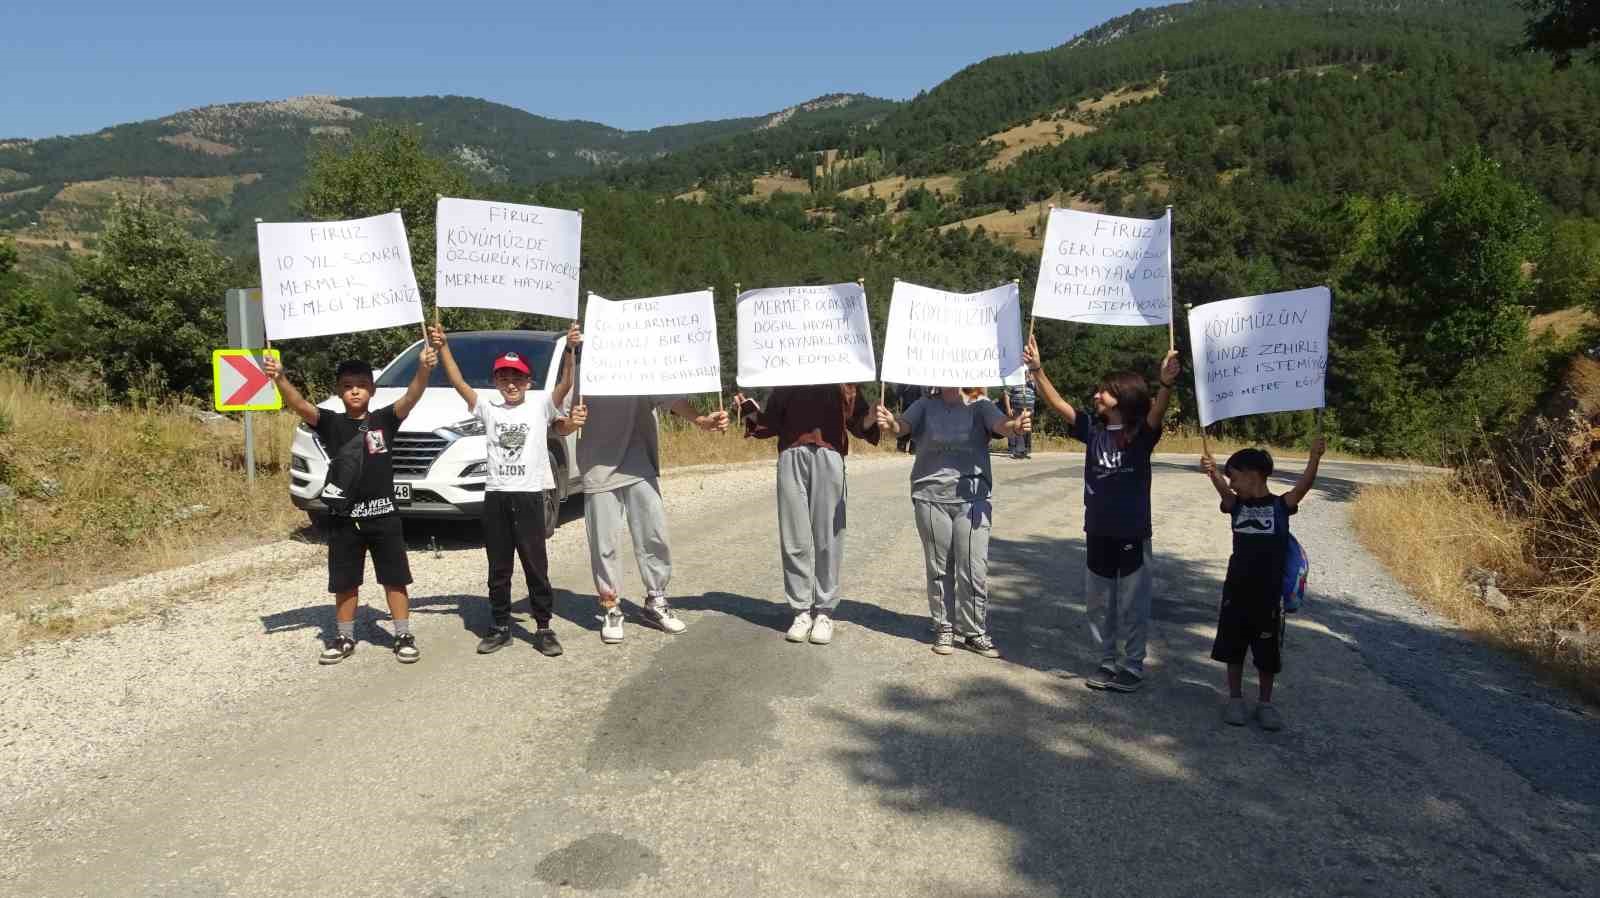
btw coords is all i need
(471, 427)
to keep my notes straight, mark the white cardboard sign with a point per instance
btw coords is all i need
(663, 345)
(336, 277)
(941, 339)
(795, 336)
(1260, 354)
(1104, 269)
(507, 256)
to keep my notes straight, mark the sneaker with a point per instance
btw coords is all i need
(658, 612)
(800, 629)
(1269, 718)
(405, 649)
(545, 641)
(611, 625)
(1235, 714)
(495, 640)
(337, 649)
(822, 630)
(982, 645)
(1102, 678)
(1125, 682)
(944, 641)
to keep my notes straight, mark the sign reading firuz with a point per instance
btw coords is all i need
(941, 339)
(1260, 354)
(507, 256)
(795, 336)
(1102, 269)
(336, 277)
(665, 345)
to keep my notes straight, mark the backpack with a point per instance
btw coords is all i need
(344, 473)
(1296, 566)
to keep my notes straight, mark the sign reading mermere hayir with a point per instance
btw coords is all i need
(508, 256)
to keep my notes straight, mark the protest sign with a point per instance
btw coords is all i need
(941, 339)
(664, 345)
(793, 336)
(336, 277)
(1102, 269)
(507, 256)
(1260, 354)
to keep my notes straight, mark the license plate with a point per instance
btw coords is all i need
(402, 492)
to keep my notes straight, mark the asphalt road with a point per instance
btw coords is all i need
(725, 761)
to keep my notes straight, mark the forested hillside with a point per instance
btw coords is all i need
(1443, 184)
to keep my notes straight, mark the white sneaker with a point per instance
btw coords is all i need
(800, 628)
(611, 626)
(822, 630)
(662, 615)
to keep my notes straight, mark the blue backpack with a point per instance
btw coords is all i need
(1295, 568)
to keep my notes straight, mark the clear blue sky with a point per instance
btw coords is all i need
(73, 67)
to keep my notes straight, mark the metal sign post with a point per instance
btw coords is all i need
(247, 329)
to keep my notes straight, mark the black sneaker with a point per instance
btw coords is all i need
(983, 645)
(1126, 682)
(1102, 678)
(545, 641)
(337, 649)
(495, 640)
(405, 649)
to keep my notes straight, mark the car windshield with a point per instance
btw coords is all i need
(474, 353)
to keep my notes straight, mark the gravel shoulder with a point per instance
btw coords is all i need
(203, 752)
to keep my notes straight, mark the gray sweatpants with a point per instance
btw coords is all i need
(1120, 607)
(955, 549)
(811, 499)
(638, 507)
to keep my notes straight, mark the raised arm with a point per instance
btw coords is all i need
(569, 366)
(272, 368)
(1308, 477)
(573, 420)
(717, 421)
(1170, 369)
(419, 382)
(1209, 466)
(452, 372)
(1047, 390)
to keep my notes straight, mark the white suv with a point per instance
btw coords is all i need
(439, 457)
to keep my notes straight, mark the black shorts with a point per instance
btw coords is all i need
(349, 541)
(1250, 618)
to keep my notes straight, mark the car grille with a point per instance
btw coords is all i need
(413, 453)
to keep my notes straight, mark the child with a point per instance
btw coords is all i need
(369, 523)
(1020, 398)
(1118, 440)
(950, 485)
(514, 429)
(1252, 596)
(813, 426)
(620, 458)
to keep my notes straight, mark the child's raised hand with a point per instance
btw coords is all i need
(717, 421)
(1318, 446)
(885, 417)
(271, 367)
(1030, 353)
(574, 335)
(1025, 422)
(578, 415)
(436, 336)
(1208, 465)
(1170, 369)
(430, 357)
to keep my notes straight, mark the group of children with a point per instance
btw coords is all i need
(951, 485)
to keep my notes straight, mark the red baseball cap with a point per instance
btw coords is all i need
(510, 360)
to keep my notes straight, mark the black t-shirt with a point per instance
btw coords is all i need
(1260, 544)
(1116, 478)
(374, 493)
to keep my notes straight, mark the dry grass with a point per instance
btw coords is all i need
(764, 186)
(1023, 229)
(891, 189)
(1043, 132)
(1546, 551)
(1120, 97)
(1562, 324)
(103, 495)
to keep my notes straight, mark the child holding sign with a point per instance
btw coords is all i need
(950, 485)
(1251, 616)
(514, 428)
(360, 497)
(1118, 440)
(813, 425)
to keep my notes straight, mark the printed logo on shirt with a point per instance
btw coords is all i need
(375, 443)
(511, 437)
(1256, 520)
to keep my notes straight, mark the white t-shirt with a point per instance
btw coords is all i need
(519, 461)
